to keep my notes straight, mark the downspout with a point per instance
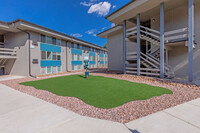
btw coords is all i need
(29, 51)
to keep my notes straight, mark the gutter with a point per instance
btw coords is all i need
(29, 51)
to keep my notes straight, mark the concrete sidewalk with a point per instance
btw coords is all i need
(22, 113)
(184, 118)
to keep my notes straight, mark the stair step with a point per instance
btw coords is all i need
(131, 65)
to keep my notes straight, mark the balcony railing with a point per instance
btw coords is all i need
(170, 36)
(8, 53)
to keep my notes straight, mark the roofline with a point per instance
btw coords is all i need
(117, 26)
(120, 8)
(26, 22)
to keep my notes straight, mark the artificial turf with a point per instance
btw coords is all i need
(98, 91)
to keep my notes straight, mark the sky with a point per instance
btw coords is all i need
(82, 19)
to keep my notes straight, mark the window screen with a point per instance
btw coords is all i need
(43, 55)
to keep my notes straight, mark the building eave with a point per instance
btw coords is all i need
(105, 33)
(131, 9)
(19, 23)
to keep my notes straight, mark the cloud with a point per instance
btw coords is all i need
(92, 32)
(114, 6)
(104, 28)
(78, 35)
(84, 3)
(102, 8)
(112, 25)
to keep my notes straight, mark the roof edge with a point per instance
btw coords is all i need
(120, 8)
(42, 27)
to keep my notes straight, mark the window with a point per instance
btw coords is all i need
(49, 40)
(54, 55)
(75, 46)
(49, 55)
(79, 57)
(43, 38)
(58, 56)
(58, 42)
(49, 69)
(92, 58)
(54, 41)
(43, 70)
(43, 55)
(80, 47)
(59, 69)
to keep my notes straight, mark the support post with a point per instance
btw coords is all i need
(162, 42)
(124, 45)
(191, 39)
(138, 45)
(166, 58)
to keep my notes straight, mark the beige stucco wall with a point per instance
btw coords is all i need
(115, 50)
(20, 65)
(115, 54)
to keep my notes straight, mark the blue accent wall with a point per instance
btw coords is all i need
(101, 55)
(46, 63)
(92, 62)
(77, 62)
(92, 54)
(76, 51)
(50, 47)
(101, 62)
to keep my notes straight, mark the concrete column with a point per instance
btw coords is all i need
(162, 42)
(138, 45)
(166, 56)
(191, 39)
(124, 45)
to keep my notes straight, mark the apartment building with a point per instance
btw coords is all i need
(155, 38)
(31, 50)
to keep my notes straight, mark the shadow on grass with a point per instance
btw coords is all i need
(81, 76)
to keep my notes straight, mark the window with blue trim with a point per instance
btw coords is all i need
(76, 57)
(50, 59)
(50, 40)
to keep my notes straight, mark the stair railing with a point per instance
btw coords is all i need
(150, 32)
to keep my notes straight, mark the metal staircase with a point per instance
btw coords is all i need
(150, 61)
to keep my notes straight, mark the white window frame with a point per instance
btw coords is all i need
(51, 70)
(47, 56)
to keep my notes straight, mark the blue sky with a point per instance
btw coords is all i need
(79, 18)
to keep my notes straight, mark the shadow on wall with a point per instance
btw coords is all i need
(8, 66)
(181, 69)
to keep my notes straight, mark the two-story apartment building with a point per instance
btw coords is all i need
(156, 38)
(30, 49)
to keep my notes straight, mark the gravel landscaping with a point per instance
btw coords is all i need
(182, 92)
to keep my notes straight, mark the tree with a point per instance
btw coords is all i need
(105, 46)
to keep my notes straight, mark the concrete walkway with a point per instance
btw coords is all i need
(10, 77)
(22, 113)
(184, 118)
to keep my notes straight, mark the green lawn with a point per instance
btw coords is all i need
(98, 91)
